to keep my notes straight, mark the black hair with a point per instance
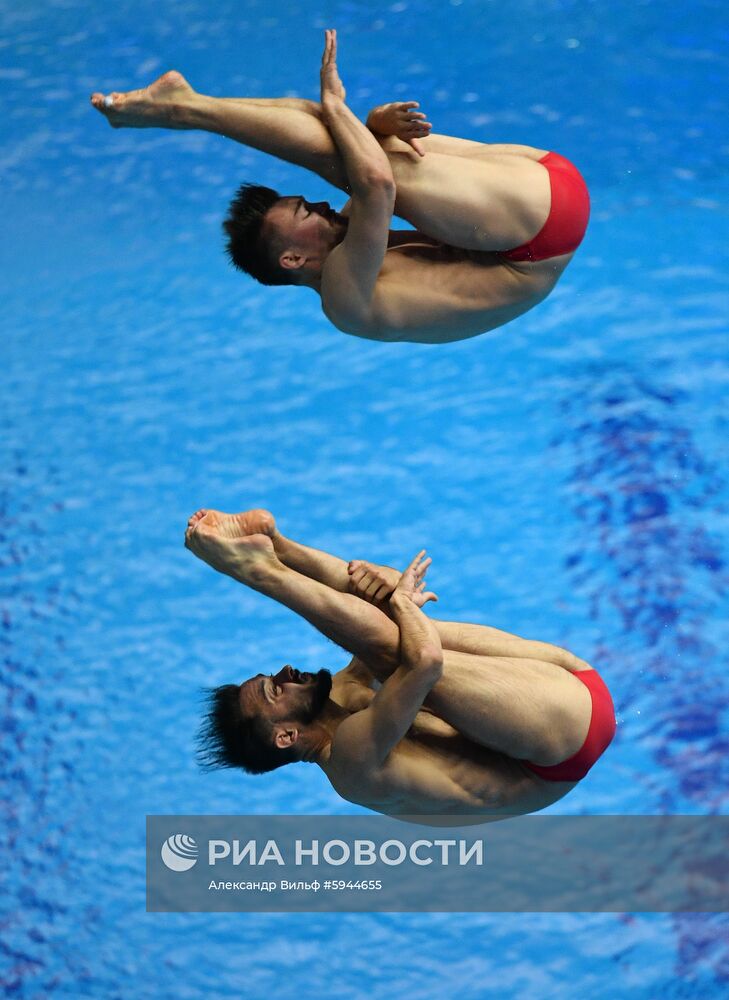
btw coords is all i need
(245, 246)
(228, 738)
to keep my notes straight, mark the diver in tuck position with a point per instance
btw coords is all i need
(496, 225)
(429, 718)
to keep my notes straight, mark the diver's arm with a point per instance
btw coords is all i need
(374, 731)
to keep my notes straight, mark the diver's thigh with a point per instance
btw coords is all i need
(525, 708)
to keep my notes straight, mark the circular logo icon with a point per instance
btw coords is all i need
(179, 852)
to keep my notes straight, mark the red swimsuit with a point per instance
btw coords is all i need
(599, 735)
(567, 220)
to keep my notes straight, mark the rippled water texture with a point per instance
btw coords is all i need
(567, 473)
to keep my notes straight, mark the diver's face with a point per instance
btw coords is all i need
(310, 228)
(288, 696)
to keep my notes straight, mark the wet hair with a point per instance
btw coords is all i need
(246, 247)
(228, 738)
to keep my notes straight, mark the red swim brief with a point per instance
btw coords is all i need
(599, 735)
(568, 215)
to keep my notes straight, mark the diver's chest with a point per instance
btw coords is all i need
(352, 696)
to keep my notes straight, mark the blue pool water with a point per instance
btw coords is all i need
(567, 473)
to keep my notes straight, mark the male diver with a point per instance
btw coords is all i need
(495, 225)
(429, 718)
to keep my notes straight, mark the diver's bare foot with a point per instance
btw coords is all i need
(222, 541)
(155, 106)
(250, 522)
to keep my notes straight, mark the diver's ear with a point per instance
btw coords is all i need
(291, 261)
(285, 738)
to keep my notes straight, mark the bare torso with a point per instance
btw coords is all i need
(434, 771)
(431, 293)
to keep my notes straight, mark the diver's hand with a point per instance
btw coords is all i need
(412, 582)
(331, 85)
(371, 582)
(400, 118)
(375, 583)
